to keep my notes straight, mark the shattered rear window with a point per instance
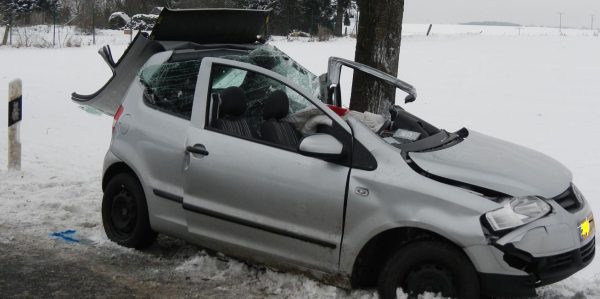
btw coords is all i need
(170, 87)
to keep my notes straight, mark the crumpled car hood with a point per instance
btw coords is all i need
(497, 165)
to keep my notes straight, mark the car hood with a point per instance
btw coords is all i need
(494, 164)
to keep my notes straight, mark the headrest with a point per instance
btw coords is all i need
(265, 57)
(233, 102)
(276, 105)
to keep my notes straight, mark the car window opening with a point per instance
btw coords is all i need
(170, 87)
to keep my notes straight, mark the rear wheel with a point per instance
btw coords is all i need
(429, 266)
(125, 213)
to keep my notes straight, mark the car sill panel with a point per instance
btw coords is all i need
(278, 231)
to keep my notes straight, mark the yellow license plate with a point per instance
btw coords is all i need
(586, 228)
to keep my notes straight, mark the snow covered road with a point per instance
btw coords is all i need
(539, 91)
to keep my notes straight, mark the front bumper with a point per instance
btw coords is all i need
(545, 251)
(542, 270)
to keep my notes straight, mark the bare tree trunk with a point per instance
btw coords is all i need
(6, 32)
(377, 45)
(339, 17)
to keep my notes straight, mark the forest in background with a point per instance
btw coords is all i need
(308, 16)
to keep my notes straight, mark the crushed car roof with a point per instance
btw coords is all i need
(207, 26)
(176, 29)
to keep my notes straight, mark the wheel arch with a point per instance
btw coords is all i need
(117, 168)
(379, 248)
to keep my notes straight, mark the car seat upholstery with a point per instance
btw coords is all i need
(230, 113)
(275, 130)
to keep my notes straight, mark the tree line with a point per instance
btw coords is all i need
(378, 34)
(302, 15)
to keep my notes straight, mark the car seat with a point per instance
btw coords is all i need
(230, 111)
(275, 130)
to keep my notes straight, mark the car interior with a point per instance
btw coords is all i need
(229, 114)
(253, 106)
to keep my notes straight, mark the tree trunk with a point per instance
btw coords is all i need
(339, 17)
(377, 45)
(6, 32)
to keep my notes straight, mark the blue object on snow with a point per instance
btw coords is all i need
(67, 236)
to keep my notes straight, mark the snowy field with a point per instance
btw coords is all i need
(539, 89)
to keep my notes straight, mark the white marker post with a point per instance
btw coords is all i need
(15, 114)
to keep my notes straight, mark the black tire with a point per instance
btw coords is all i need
(125, 213)
(431, 266)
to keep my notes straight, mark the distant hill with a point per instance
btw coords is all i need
(491, 23)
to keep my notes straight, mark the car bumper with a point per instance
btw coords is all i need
(543, 252)
(542, 271)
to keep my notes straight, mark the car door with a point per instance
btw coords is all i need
(258, 200)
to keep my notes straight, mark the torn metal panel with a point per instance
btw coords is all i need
(335, 68)
(176, 29)
(110, 96)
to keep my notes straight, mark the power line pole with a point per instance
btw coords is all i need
(93, 22)
(54, 23)
(592, 26)
(560, 14)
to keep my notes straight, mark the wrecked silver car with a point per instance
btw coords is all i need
(225, 141)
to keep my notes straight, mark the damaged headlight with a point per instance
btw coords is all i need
(580, 198)
(517, 211)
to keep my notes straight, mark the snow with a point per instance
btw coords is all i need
(42, 36)
(120, 14)
(538, 89)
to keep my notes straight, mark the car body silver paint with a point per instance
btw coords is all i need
(321, 144)
(498, 165)
(489, 259)
(154, 147)
(400, 197)
(265, 191)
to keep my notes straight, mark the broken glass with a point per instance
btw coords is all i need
(170, 86)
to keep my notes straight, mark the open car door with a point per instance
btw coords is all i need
(334, 72)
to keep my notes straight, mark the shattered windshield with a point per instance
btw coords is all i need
(170, 86)
(273, 59)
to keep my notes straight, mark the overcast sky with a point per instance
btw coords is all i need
(577, 13)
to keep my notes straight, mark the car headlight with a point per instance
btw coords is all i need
(517, 211)
(580, 198)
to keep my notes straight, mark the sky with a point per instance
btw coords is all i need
(576, 13)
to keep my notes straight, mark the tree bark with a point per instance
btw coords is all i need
(339, 17)
(377, 45)
(6, 32)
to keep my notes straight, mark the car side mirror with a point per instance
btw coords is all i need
(321, 146)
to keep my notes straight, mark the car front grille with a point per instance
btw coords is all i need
(554, 268)
(561, 261)
(587, 251)
(568, 201)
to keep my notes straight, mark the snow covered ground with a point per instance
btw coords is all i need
(539, 89)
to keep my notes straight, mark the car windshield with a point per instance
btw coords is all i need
(273, 59)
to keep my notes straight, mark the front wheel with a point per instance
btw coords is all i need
(125, 213)
(429, 266)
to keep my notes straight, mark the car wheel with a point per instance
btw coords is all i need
(429, 266)
(125, 213)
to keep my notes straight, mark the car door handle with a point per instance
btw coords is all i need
(197, 149)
